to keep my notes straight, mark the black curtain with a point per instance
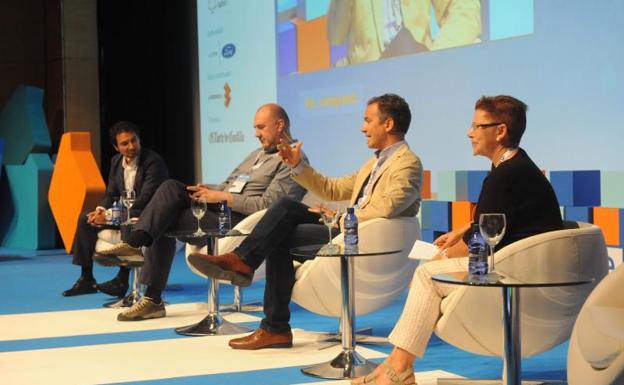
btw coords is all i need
(145, 54)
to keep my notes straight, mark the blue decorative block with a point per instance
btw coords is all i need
(26, 221)
(23, 125)
(468, 185)
(287, 48)
(583, 214)
(576, 188)
(441, 216)
(425, 214)
(1, 153)
(427, 235)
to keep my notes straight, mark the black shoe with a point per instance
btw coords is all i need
(116, 287)
(82, 286)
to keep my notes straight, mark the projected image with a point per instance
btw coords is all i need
(314, 35)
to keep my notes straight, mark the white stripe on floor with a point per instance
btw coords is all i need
(98, 321)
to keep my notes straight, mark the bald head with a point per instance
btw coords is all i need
(271, 123)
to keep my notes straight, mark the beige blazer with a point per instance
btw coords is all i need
(395, 191)
(360, 23)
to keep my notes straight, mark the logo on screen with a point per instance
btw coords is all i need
(213, 5)
(226, 95)
(228, 50)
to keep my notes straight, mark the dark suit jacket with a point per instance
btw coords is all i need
(151, 172)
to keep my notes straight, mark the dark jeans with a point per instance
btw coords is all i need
(170, 210)
(84, 242)
(286, 224)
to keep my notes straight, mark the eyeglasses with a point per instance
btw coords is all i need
(474, 126)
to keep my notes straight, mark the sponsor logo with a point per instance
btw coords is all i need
(226, 137)
(214, 5)
(227, 91)
(228, 50)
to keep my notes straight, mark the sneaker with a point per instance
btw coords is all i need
(146, 308)
(114, 260)
(123, 251)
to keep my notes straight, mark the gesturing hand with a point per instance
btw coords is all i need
(290, 155)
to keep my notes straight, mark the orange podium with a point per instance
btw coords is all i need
(76, 185)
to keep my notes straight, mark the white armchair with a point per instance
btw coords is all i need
(379, 280)
(596, 351)
(471, 317)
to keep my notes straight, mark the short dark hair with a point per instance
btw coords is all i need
(509, 110)
(395, 107)
(122, 126)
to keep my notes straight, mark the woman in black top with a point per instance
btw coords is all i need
(515, 187)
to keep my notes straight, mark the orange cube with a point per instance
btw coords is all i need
(608, 219)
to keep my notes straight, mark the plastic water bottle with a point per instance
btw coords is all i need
(225, 219)
(477, 252)
(351, 230)
(116, 213)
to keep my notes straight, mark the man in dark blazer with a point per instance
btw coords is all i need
(133, 168)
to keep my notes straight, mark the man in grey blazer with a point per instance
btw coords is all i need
(259, 180)
(133, 168)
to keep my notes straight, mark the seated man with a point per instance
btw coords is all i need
(387, 186)
(253, 185)
(134, 168)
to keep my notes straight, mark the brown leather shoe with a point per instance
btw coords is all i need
(261, 339)
(229, 267)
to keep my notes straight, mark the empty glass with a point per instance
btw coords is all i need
(127, 198)
(492, 228)
(198, 208)
(330, 215)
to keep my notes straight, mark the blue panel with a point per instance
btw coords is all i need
(441, 216)
(283, 5)
(427, 235)
(562, 183)
(1, 154)
(587, 188)
(510, 18)
(583, 214)
(287, 48)
(475, 182)
(23, 125)
(27, 221)
(447, 186)
(337, 53)
(425, 214)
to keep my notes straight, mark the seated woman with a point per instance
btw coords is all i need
(515, 187)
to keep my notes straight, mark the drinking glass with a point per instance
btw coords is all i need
(198, 207)
(492, 228)
(330, 215)
(127, 198)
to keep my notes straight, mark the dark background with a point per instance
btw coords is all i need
(146, 61)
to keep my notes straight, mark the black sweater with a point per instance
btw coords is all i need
(519, 189)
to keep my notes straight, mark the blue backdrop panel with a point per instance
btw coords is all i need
(1, 154)
(468, 185)
(576, 188)
(447, 186)
(441, 216)
(27, 221)
(583, 214)
(23, 125)
(612, 188)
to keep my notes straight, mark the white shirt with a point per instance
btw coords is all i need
(130, 170)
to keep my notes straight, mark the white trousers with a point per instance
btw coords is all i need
(422, 308)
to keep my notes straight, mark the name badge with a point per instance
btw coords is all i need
(239, 183)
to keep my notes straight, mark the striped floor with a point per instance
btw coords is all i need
(45, 338)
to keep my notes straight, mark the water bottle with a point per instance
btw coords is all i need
(225, 219)
(351, 230)
(477, 252)
(116, 214)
